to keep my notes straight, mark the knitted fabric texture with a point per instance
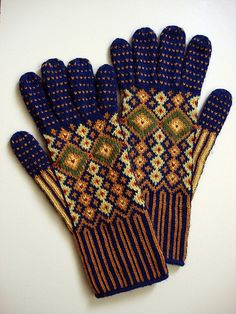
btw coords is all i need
(88, 177)
(160, 86)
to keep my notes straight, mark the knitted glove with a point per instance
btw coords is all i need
(168, 145)
(88, 177)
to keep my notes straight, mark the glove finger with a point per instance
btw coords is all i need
(106, 89)
(32, 91)
(122, 59)
(196, 63)
(145, 49)
(81, 78)
(171, 55)
(29, 153)
(57, 89)
(37, 164)
(215, 111)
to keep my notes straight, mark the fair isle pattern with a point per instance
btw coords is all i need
(88, 177)
(160, 129)
(83, 157)
(160, 84)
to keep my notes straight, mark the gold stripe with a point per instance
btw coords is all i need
(180, 196)
(169, 226)
(160, 207)
(175, 227)
(105, 260)
(52, 174)
(139, 225)
(199, 144)
(131, 250)
(94, 261)
(86, 264)
(54, 201)
(163, 219)
(138, 249)
(122, 256)
(187, 227)
(149, 245)
(127, 249)
(202, 159)
(53, 185)
(97, 256)
(156, 242)
(116, 260)
(110, 250)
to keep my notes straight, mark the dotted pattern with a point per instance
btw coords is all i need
(171, 55)
(148, 65)
(81, 78)
(122, 59)
(29, 153)
(68, 95)
(144, 43)
(196, 63)
(106, 89)
(215, 111)
(36, 101)
(57, 88)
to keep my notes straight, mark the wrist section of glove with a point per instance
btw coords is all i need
(121, 255)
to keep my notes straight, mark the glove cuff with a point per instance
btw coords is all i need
(121, 255)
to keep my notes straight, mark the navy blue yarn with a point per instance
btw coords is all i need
(29, 153)
(215, 111)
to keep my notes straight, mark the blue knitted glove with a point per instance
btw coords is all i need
(168, 144)
(88, 177)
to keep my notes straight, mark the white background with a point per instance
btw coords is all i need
(40, 271)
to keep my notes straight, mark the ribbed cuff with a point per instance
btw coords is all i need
(140, 285)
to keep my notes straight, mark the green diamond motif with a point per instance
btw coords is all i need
(72, 160)
(142, 121)
(177, 125)
(106, 149)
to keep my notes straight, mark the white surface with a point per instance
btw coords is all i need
(40, 271)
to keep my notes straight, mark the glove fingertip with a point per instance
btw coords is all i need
(29, 78)
(119, 43)
(29, 152)
(222, 94)
(108, 70)
(17, 137)
(201, 42)
(52, 63)
(216, 110)
(122, 59)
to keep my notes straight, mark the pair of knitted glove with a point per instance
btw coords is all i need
(124, 186)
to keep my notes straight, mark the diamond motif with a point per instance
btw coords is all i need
(106, 150)
(155, 176)
(172, 178)
(71, 160)
(160, 98)
(142, 121)
(143, 96)
(105, 207)
(160, 111)
(173, 164)
(177, 125)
